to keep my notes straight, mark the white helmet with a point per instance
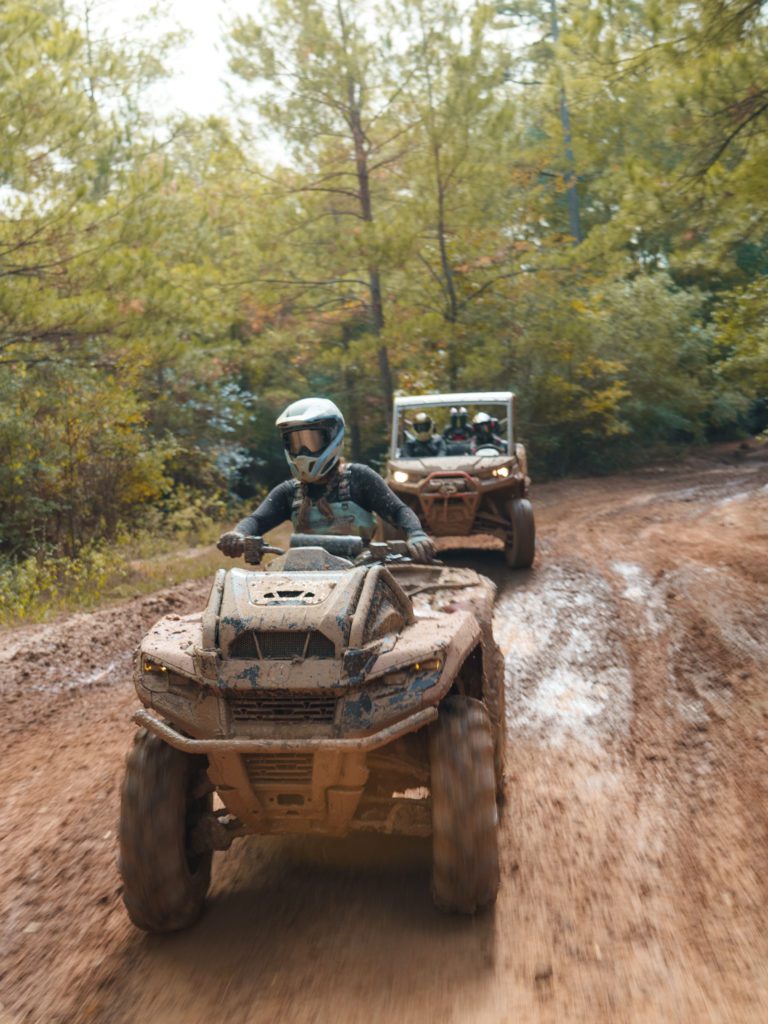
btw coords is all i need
(313, 433)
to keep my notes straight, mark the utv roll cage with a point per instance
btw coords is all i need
(459, 398)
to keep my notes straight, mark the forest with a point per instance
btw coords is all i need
(568, 198)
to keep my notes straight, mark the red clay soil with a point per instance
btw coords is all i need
(635, 832)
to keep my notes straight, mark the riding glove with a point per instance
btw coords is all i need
(231, 543)
(420, 547)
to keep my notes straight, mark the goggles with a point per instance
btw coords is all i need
(423, 427)
(306, 440)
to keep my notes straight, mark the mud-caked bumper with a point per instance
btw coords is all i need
(246, 745)
(290, 785)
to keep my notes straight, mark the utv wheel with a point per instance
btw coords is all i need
(164, 883)
(519, 552)
(465, 847)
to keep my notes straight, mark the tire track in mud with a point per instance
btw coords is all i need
(632, 779)
(701, 776)
(567, 673)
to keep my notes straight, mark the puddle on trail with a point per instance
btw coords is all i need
(641, 590)
(115, 670)
(566, 669)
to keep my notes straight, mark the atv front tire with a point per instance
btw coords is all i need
(465, 844)
(520, 550)
(164, 882)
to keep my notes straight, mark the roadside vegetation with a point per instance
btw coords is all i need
(568, 199)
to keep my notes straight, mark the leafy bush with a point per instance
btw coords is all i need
(33, 587)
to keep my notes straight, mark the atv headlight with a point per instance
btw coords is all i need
(405, 675)
(430, 665)
(400, 477)
(398, 692)
(148, 665)
(501, 471)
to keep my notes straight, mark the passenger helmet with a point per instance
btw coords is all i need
(482, 425)
(422, 424)
(313, 433)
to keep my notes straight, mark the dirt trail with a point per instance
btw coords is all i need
(635, 829)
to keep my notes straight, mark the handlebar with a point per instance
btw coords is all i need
(350, 547)
(254, 547)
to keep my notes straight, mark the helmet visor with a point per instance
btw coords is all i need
(423, 426)
(309, 440)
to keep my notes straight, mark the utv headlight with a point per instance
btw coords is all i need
(400, 477)
(501, 471)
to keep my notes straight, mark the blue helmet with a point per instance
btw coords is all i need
(313, 434)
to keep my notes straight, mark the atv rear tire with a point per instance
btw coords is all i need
(465, 844)
(520, 551)
(164, 883)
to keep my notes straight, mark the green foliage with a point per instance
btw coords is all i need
(741, 332)
(33, 587)
(74, 461)
(164, 293)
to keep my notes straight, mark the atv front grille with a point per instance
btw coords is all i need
(282, 645)
(283, 706)
(280, 769)
(319, 646)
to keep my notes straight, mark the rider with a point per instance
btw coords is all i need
(426, 444)
(452, 424)
(485, 435)
(458, 428)
(325, 495)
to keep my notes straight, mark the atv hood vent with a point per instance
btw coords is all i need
(282, 645)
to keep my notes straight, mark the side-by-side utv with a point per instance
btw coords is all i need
(476, 487)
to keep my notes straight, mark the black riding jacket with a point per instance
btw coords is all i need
(366, 489)
(418, 449)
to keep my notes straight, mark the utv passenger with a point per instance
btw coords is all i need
(325, 495)
(484, 434)
(452, 425)
(426, 443)
(458, 434)
(458, 428)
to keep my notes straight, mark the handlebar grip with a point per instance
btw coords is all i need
(254, 547)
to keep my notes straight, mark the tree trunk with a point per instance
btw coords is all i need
(351, 401)
(376, 305)
(574, 219)
(451, 309)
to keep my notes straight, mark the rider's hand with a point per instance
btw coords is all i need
(232, 543)
(420, 547)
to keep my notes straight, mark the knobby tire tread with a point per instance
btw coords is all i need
(519, 554)
(465, 849)
(162, 891)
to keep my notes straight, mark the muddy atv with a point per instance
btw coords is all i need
(339, 690)
(471, 490)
